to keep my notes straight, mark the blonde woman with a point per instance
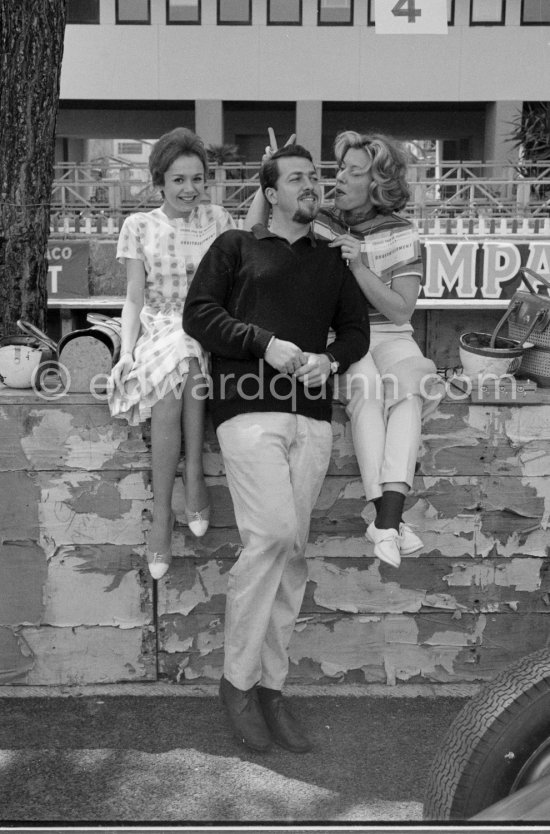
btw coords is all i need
(389, 391)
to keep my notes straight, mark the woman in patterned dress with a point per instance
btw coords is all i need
(391, 389)
(161, 371)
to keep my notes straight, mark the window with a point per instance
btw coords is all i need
(83, 11)
(450, 13)
(235, 12)
(284, 12)
(487, 12)
(335, 13)
(183, 11)
(133, 11)
(534, 12)
(130, 148)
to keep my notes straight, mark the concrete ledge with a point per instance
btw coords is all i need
(170, 690)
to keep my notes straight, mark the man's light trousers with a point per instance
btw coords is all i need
(275, 465)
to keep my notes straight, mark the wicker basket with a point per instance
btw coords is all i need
(528, 318)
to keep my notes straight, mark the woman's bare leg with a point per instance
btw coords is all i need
(165, 453)
(196, 492)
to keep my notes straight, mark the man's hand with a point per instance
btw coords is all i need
(315, 371)
(285, 357)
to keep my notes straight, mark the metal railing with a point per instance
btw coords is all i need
(94, 198)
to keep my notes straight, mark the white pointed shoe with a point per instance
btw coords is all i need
(409, 542)
(198, 522)
(386, 544)
(158, 564)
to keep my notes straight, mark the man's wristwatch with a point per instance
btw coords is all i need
(334, 365)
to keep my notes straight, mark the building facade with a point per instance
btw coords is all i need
(230, 68)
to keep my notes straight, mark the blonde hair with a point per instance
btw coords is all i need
(389, 190)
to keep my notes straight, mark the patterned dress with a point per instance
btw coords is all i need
(171, 250)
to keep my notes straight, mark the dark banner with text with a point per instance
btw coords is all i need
(68, 263)
(479, 268)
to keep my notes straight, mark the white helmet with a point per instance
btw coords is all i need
(20, 356)
(18, 362)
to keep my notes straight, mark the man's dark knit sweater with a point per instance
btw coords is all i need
(251, 286)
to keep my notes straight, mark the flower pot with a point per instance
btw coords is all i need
(479, 359)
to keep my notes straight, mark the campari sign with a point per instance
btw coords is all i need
(480, 269)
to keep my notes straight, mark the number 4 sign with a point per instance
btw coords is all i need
(410, 17)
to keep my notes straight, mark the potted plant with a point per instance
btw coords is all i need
(530, 134)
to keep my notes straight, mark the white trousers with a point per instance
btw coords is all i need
(275, 466)
(382, 392)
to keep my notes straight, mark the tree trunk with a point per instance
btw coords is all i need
(31, 49)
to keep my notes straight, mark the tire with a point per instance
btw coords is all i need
(499, 742)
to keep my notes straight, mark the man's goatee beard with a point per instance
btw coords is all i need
(300, 216)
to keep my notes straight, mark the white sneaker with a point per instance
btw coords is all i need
(409, 542)
(386, 544)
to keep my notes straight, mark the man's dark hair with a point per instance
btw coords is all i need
(269, 172)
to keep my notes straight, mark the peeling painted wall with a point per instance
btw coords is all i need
(76, 603)
(75, 600)
(476, 598)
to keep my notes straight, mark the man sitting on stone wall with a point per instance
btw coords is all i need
(262, 303)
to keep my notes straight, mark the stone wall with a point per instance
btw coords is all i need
(76, 599)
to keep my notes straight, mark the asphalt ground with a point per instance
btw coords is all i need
(129, 760)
